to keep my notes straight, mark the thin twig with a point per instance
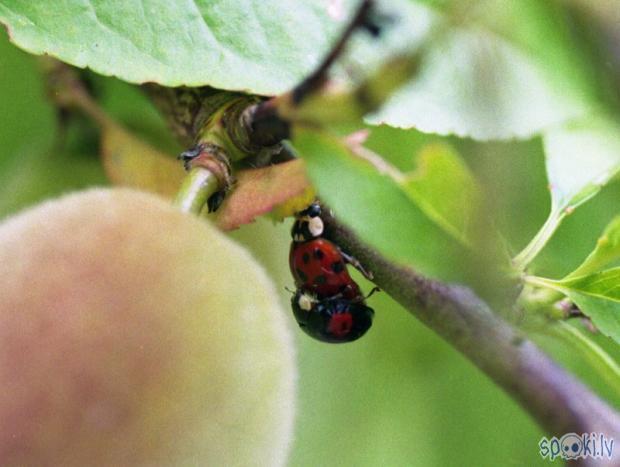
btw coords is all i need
(554, 398)
(317, 79)
(267, 122)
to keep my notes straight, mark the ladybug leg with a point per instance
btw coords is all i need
(357, 265)
(371, 293)
(338, 296)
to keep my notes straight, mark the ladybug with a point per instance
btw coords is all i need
(332, 320)
(318, 266)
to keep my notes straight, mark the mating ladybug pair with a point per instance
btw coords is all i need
(328, 304)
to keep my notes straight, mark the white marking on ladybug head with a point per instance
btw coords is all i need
(315, 226)
(305, 302)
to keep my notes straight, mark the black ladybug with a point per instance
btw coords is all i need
(333, 320)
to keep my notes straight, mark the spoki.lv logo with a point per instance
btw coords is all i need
(573, 446)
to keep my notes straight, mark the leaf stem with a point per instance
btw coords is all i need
(551, 291)
(527, 255)
(198, 186)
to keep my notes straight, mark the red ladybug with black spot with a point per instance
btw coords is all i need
(319, 267)
(317, 264)
(332, 320)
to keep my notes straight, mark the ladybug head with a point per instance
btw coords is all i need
(313, 210)
(333, 320)
(308, 224)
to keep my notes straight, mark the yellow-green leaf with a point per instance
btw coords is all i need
(597, 296)
(607, 250)
(129, 161)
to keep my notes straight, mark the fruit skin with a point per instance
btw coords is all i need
(332, 320)
(126, 339)
(319, 267)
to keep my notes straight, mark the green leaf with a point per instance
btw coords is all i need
(607, 250)
(445, 190)
(376, 207)
(597, 296)
(542, 30)
(263, 46)
(507, 69)
(473, 83)
(580, 158)
(258, 46)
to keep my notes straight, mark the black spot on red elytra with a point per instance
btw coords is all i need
(301, 275)
(320, 279)
(320, 257)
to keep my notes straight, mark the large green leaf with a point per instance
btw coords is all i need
(543, 31)
(263, 46)
(258, 46)
(377, 207)
(597, 296)
(495, 69)
(475, 84)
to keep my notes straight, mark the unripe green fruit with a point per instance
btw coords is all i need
(132, 334)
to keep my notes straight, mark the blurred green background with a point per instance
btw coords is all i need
(400, 396)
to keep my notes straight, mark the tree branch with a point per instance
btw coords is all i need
(554, 398)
